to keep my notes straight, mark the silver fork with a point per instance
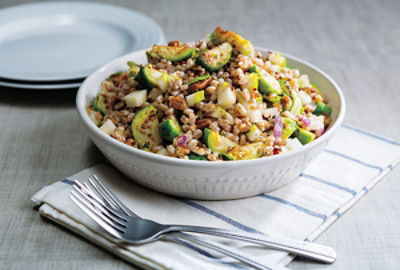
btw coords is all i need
(105, 197)
(136, 230)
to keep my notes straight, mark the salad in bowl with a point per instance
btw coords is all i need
(214, 119)
(215, 99)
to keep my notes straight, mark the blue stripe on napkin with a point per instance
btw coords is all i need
(320, 180)
(67, 181)
(353, 159)
(372, 135)
(220, 216)
(295, 206)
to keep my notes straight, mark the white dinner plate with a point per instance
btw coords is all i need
(53, 41)
(41, 85)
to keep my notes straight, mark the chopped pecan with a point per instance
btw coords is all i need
(310, 90)
(130, 141)
(182, 151)
(200, 85)
(285, 100)
(203, 123)
(177, 102)
(175, 43)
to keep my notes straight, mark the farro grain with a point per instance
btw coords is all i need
(98, 116)
(197, 134)
(223, 123)
(214, 82)
(230, 136)
(175, 93)
(184, 119)
(214, 126)
(228, 117)
(241, 110)
(193, 144)
(246, 94)
(200, 106)
(209, 108)
(186, 127)
(199, 150)
(170, 111)
(270, 140)
(171, 150)
(243, 140)
(268, 150)
(244, 127)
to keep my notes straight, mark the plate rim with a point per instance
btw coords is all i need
(47, 86)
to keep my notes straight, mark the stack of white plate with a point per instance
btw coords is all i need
(55, 45)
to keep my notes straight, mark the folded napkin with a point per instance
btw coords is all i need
(353, 163)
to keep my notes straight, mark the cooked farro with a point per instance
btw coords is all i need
(217, 99)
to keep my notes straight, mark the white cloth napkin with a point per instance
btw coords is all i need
(353, 163)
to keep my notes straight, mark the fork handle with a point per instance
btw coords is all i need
(223, 249)
(307, 249)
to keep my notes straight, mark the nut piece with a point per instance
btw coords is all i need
(310, 90)
(285, 100)
(203, 123)
(177, 102)
(175, 43)
(200, 85)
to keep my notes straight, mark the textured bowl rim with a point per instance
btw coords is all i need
(94, 130)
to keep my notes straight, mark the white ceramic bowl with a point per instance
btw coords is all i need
(202, 179)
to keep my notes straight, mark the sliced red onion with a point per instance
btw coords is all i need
(319, 132)
(278, 128)
(306, 121)
(182, 140)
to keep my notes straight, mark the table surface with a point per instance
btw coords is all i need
(356, 42)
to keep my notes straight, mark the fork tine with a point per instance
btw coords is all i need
(98, 220)
(121, 220)
(88, 191)
(106, 196)
(77, 183)
(114, 198)
(86, 188)
(100, 201)
(103, 195)
(98, 213)
(92, 194)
